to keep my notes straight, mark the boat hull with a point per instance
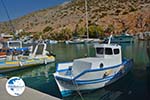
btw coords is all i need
(66, 87)
(7, 66)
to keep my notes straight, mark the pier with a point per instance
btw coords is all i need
(29, 94)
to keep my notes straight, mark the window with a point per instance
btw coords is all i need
(116, 51)
(100, 50)
(108, 51)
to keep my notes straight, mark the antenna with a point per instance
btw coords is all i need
(109, 41)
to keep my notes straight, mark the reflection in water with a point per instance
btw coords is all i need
(39, 78)
(101, 94)
(42, 70)
(122, 87)
(148, 69)
(148, 52)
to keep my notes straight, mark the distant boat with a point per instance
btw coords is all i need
(53, 42)
(27, 40)
(123, 38)
(92, 72)
(38, 57)
(50, 41)
(144, 36)
(75, 41)
(93, 40)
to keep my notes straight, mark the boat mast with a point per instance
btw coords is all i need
(87, 23)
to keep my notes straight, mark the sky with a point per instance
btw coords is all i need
(18, 8)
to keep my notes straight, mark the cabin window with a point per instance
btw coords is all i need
(100, 50)
(108, 51)
(116, 51)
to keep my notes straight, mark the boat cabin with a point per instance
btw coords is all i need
(14, 44)
(107, 55)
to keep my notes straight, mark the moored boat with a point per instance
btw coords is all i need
(123, 38)
(13, 48)
(92, 72)
(75, 41)
(38, 57)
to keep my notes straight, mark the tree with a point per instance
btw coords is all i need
(47, 29)
(110, 28)
(81, 31)
(65, 34)
(95, 31)
(100, 31)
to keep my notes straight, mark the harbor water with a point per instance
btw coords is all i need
(134, 86)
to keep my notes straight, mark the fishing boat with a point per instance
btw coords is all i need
(92, 72)
(17, 46)
(39, 56)
(123, 38)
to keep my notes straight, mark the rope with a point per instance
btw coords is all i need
(76, 85)
(6, 10)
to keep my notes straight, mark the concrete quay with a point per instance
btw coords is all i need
(29, 94)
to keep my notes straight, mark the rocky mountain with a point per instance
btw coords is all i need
(114, 15)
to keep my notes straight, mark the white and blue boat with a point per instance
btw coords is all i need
(92, 72)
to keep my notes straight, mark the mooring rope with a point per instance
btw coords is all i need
(77, 88)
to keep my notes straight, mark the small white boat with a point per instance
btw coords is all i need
(50, 41)
(92, 72)
(75, 41)
(53, 42)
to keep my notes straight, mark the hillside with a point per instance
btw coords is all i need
(110, 15)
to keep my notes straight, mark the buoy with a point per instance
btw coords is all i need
(107, 73)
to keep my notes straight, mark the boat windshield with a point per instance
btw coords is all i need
(106, 51)
(100, 50)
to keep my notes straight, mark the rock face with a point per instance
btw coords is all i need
(131, 15)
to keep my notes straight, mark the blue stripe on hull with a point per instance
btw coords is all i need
(110, 79)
